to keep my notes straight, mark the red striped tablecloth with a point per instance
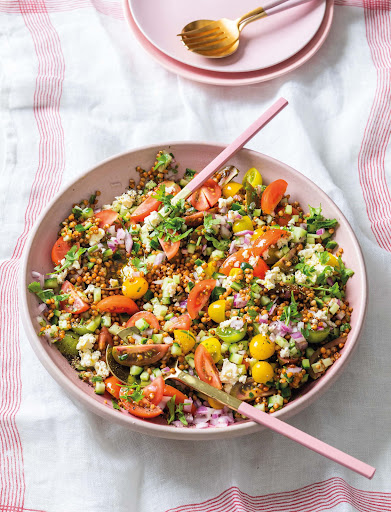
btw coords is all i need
(75, 88)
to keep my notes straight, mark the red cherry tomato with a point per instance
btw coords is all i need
(271, 237)
(272, 195)
(260, 268)
(106, 217)
(145, 315)
(196, 219)
(206, 368)
(169, 247)
(183, 322)
(117, 304)
(113, 386)
(179, 396)
(78, 306)
(60, 248)
(154, 391)
(199, 296)
(151, 204)
(139, 411)
(285, 217)
(207, 196)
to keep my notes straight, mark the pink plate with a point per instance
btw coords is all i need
(263, 44)
(229, 79)
(194, 155)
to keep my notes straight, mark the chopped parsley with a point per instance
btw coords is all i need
(290, 313)
(71, 256)
(189, 173)
(97, 378)
(115, 405)
(136, 394)
(45, 295)
(345, 327)
(139, 265)
(162, 160)
(324, 257)
(136, 247)
(175, 410)
(344, 272)
(221, 245)
(316, 220)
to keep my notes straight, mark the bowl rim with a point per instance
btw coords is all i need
(167, 431)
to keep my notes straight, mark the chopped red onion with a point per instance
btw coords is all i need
(303, 225)
(271, 311)
(320, 231)
(330, 281)
(128, 241)
(286, 329)
(217, 413)
(184, 251)
(189, 417)
(297, 336)
(239, 301)
(295, 369)
(263, 319)
(301, 344)
(112, 244)
(232, 247)
(183, 304)
(39, 276)
(120, 235)
(163, 402)
(159, 281)
(111, 230)
(97, 210)
(340, 315)
(41, 308)
(245, 232)
(203, 410)
(148, 333)
(187, 405)
(166, 370)
(159, 259)
(219, 422)
(202, 425)
(191, 371)
(225, 232)
(178, 424)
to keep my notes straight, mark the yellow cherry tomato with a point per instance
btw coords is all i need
(252, 176)
(231, 189)
(211, 268)
(214, 403)
(257, 233)
(332, 261)
(262, 372)
(235, 272)
(216, 311)
(135, 288)
(213, 346)
(185, 339)
(261, 347)
(244, 224)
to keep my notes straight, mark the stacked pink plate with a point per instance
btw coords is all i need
(269, 47)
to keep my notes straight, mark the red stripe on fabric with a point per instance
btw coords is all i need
(108, 8)
(47, 179)
(316, 497)
(371, 159)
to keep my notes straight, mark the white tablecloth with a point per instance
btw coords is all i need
(76, 88)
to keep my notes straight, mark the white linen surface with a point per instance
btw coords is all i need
(114, 98)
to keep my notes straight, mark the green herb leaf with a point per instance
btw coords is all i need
(324, 257)
(136, 247)
(163, 159)
(344, 272)
(71, 256)
(171, 409)
(97, 378)
(189, 173)
(115, 405)
(181, 414)
(221, 245)
(316, 220)
(290, 312)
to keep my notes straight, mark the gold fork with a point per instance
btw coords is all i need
(217, 39)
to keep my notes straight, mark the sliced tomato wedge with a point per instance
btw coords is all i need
(113, 386)
(260, 268)
(78, 306)
(169, 247)
(60, 249)
(196, 219)
(151, 204)
(140, 355)
(139, 411)
(183, 322)
(144, 315)
(106, 217)
(234, 261)
(154, 391)
(272, 195)
(117, 304)
(206, 196)
(283, 219)
(267, 239)
(199, 296)
(206, 368)
(179, 396)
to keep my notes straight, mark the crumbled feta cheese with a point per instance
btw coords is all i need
(170, 289)
(263, 329)
(152, 220)
(101, 369)
(300, 278)
(310, 251)
(95, 238)
(60, 276)
(127, 199)
(225, 202)
(232, 216)
(284, 353)
(236, 322)
(75, 265)
(199, 270)
(113, 283)
(90, 289)
(66, 238)
(227, 282)
(229, 373)
(88, 358)
(320, 315)
(283, 241)
(86, 342)
(242, 379)
(253, 260)
(170, 190)
(272, 277)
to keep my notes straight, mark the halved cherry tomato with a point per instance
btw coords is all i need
(285, 217)
(145, 315)
(260, 268)
(271, 237)
(234, 261)
(182, 322)
(151, 204)
(196, 219)
(206, 196)
(60, 248)
(154, 391)
(179, 396)
(106, 217)
(140, 355)
(272, 195)
(117, 304)
(78, 306)
(141, 412)
(199, 296)
(206, 368)
(169, 247)
(113, 386)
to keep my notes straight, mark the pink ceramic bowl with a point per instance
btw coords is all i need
(111, 178)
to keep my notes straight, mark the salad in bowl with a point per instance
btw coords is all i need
(239, 285)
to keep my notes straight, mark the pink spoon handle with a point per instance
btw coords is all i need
(306, 440)
(231, 150)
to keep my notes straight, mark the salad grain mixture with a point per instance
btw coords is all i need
(236, 285)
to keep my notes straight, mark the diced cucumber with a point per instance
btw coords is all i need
(310, 240)
(305, 364)
(325, 235)
(97, 294)
(286, 392)
(144, 376)
(282, 342)
(236, 358)
(288, 209)
(257, 212)
(157, 372)
(327, 362)
(217, 275)
(147, 306)
(131, 379)
(191, 248)
(160, 310)
(154, 301)
(275, 399)
(333, 308)
(224, 347)
(136, 370)
(67, 345)
(63, 321)
(100, 388)
(318, 336)
(234, 348)
(190, 360)
(242, 369)
(217, 255)
(142, 324)
(176, 349)
(264, 300)
(309, 351)
(169, 316)
(106, 320)
(317, 367)
(331, 244)
(90, 326)
(236, 286)
(51, 282)
(115, 329)
(298, 234)
(157, 338)
(166, 300)
(176, 279)
(304, 378)
(261, 407)
(107, 254)
(295, 218)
